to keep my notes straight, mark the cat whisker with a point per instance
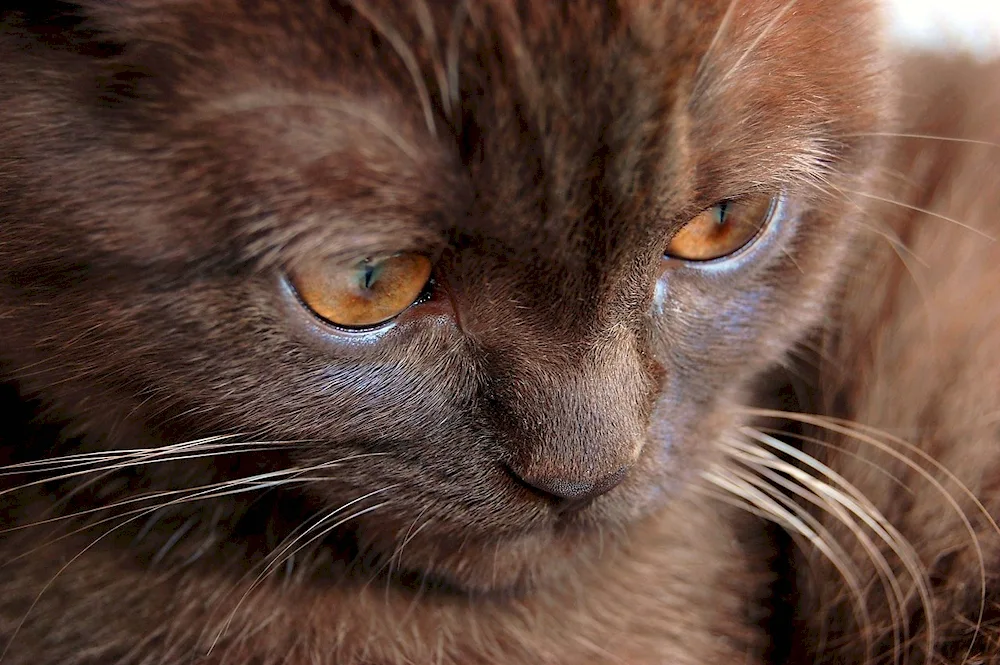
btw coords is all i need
(154, 456)
(795, 519)
(289, 548)
(856, 502)
(867, 434)
(397, 553)
(928, 137)
(924, 211)
(809, 354)
(761, 36)
(720, 32)
(175, 538)
(277, 558)
(108, 471)
(412, 533)
(418, 594)
(741, 503)
(206, 494)
(98, 464)
(405, 53)
(772, 474)
(905, 254)
(263, 481)
(103, 472)
(856, 495)
(877, 468)
(834, 503)
(212, 441)
(797, 538)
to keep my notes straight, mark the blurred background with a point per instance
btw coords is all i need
(947, 24)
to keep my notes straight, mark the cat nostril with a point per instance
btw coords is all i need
(574, 490)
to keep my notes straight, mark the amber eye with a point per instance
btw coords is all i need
(722, 229)
(365, 294)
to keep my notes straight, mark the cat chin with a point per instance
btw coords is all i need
(512, 568)
(523, 562)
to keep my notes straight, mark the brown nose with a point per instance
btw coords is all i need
(572, 430)
(573, 488)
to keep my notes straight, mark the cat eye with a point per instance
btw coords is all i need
(363, 295)
(723, 229)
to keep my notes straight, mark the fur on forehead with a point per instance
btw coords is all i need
(381, 123)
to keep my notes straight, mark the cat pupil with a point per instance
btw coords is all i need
(370, 273)
(720, 213)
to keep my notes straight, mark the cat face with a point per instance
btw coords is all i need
(491, 274)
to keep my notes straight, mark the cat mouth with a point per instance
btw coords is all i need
(456, 560)
(555, 535)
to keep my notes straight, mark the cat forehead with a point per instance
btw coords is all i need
(400, 117)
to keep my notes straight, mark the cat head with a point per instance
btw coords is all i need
(493, 273)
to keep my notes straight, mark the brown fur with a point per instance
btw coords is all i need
(913, 355)
(163, 163)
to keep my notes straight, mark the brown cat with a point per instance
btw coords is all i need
(444, 332)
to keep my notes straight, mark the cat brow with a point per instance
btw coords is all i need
(261, 100)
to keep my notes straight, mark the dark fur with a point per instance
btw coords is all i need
(161, 165)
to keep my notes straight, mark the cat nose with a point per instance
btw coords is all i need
(571, 488)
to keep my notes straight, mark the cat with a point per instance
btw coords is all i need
(493, 332)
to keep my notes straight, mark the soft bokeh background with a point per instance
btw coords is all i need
(967, 24)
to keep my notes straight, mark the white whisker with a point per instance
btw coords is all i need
(866, 434)
(929, 137)
(405, 54)
(818, 494)
(855, 502)
(104, 470)
(798, 521)
(720, 32)
(98, 454)
(278, 557)
(924, 211)
(136, 515)
(771, 24)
